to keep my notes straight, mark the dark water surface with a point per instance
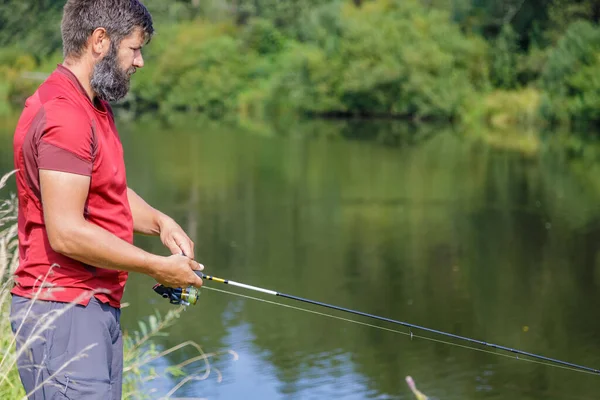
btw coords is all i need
(442, 233)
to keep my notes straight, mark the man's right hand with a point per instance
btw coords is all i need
(177, 271)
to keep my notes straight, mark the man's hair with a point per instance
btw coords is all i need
(118, 17)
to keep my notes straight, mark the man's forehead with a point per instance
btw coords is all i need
(136, 37)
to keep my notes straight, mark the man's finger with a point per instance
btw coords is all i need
(197, 281)
(191, 244)
(184, 246)
(173, 248)
(196, 266)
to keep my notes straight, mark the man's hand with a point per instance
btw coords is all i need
(177, 271)
(175, 239)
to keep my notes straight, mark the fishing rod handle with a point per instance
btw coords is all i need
(180, 296)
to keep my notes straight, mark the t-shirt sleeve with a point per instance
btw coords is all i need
(66, 143)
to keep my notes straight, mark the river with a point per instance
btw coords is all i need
(430, 229)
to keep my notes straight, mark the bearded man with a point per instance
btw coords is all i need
(77, 215)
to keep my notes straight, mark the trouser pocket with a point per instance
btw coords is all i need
(81, 352)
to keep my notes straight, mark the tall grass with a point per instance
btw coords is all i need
(10, 384)
(140, 351)
(8, 232)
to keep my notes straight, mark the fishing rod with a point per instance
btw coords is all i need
(189, 296)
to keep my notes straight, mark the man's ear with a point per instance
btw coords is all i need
(99, 42)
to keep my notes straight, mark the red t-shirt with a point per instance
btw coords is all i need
(61, 129)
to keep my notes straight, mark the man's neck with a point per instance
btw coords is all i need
(82, 72)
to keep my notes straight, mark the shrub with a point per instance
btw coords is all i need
(387, 58)
(570, 78)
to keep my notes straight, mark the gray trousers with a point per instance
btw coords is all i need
(52, 365)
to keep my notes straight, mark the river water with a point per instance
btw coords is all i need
(430, 229)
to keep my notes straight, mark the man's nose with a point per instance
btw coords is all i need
(138, 61)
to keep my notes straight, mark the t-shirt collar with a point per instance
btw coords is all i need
(71, 76)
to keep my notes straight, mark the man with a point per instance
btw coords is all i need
(77, 216)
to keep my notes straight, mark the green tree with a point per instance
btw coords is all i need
(562, 13)
(389, 57)
(31, 25)
(570, 78)
(504, 55)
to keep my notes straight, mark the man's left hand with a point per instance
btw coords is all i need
(175, 239)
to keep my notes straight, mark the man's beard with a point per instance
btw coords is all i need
(109, 81)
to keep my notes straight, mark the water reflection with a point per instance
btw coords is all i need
(446, 234)
(440, 232)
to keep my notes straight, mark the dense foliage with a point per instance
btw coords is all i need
(393, 58)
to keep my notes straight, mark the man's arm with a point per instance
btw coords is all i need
(63, 198)
(145, 218)
(149, 221)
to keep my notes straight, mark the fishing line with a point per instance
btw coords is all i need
(412, 335)
(189, 296)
